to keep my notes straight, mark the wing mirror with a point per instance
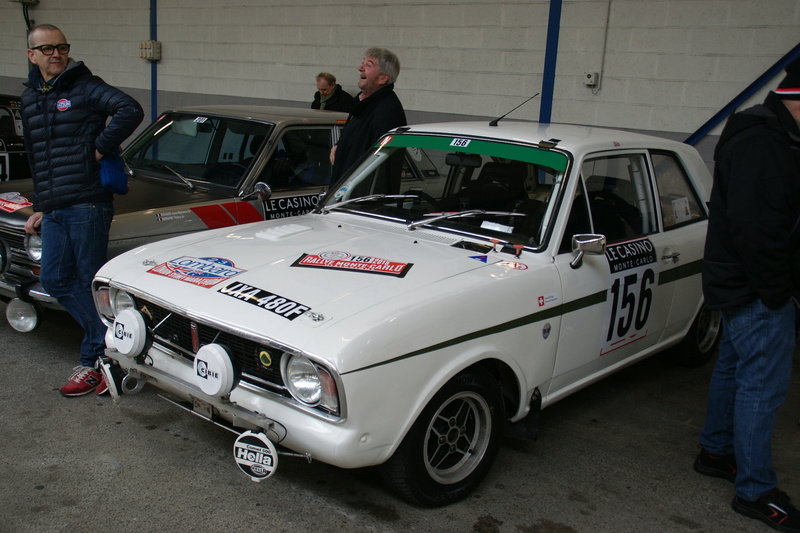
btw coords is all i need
(587, 243)
(262, 190)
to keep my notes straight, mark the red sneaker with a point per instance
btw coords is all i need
(83, 381)
(102, 388)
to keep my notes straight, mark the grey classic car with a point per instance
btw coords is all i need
(13, 160)
(193, 169)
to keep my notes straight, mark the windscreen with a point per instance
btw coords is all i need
(210, 149)
(492, 189)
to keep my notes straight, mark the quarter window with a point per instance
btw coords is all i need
(676, 197)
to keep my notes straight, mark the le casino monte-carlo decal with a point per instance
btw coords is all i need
(634, 272)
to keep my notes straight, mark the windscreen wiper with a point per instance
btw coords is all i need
(459, 214)
(180, 176)
(325, 209)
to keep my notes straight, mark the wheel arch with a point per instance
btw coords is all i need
(507, 379)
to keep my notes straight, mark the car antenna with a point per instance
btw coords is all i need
(495, 121)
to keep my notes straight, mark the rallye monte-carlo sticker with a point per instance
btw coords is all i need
(279, 305)
(12, 201)
(357, 263)
(201, 271)
(634, 272)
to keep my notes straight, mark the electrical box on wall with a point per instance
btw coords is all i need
(28, 2)
(591, 79)
(150, 50)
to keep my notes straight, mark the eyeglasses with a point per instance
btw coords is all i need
(49, 49)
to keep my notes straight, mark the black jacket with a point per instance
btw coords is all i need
(369, 119)
(752, 245)
(340, 100)
(64, 123)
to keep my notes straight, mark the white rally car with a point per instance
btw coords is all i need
(461, 278)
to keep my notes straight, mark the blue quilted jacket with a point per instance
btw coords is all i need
(65, 122)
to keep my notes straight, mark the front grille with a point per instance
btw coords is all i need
(259, 364)
(18, 261)
(14, 239)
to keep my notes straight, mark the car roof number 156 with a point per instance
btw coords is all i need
(461, 143)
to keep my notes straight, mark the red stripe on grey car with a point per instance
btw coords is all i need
(223, 215)
(243, 212)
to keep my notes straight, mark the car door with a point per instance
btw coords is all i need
(298, 170)
(683, 222)
(616, 305)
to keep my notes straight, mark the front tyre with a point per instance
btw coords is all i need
(700, 344)
(452, 444)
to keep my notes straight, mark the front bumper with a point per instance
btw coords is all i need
(26, 290)
(249, 408)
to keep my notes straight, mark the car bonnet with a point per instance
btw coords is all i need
(281, 278)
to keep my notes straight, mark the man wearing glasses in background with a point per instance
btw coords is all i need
(64, 113)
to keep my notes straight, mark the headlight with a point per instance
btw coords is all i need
(310, 383)
(102, 300)
(23, 316)
(33, 247)
(121, 300)
(110, 302)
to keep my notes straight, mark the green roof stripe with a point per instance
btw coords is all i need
(527, 153)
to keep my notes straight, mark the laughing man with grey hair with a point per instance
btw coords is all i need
(376, 109)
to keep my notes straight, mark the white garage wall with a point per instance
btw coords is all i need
(667, 65)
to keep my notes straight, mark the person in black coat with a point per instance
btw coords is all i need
(330, 96)
(376, 110)
(65, 110)
(751, 273)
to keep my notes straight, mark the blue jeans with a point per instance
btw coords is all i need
(74, 247)
(749, 382)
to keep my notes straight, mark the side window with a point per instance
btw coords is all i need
(676, 197)
(302, 159)
(620, 196)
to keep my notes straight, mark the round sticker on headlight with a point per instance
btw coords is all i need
(255, 455)
(129, 333)
(213, 370)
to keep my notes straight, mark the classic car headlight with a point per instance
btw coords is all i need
(121, 300)
(310, 383)
(110, 302)
(33, 246)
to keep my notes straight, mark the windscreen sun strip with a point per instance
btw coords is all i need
(529, 154)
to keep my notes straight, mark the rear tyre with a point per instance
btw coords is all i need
(702, 340)
(452, 444)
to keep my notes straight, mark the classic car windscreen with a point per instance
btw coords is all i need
(208, 149)
(489, 188)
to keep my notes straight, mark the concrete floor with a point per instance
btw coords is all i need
(615, 457)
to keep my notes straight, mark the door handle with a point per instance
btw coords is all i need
(668, 254)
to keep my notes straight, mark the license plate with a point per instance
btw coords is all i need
(202, 408)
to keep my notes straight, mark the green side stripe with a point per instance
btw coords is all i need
(669, 276)
(529, 154)
(558, 310)
(684, 271)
